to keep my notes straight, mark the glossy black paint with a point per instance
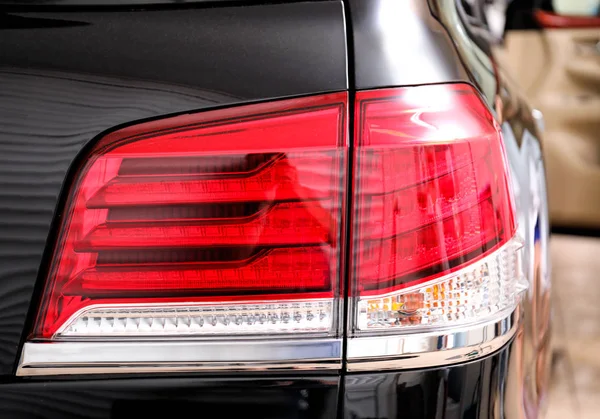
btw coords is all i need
(159, 397)
(400, 43)
(473, 390)
(67, 77)
(254, 52)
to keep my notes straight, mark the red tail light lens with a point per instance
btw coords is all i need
(431, 197)
(222, 222)
(230, 223)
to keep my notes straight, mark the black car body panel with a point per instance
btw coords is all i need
(473, 390)
(269, 398)
(197, 48)
(68, 75)
(399, 43)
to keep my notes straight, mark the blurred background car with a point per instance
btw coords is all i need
(552, 50)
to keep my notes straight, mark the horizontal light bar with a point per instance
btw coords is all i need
(201, 320)
(282, 225)
(305, 269)
(281, 181)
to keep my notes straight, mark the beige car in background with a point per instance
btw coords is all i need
(558, 69)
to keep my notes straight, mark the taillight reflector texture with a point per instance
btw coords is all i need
(433, 222)
(220, 222)
(210, 319)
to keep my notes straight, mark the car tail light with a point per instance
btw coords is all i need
(220, 223)
(433, 224)
(216, 240)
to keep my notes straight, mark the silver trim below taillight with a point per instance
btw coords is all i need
(67, 358)
(436, 348)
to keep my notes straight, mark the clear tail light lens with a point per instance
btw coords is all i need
(433, 221)
(223, 222)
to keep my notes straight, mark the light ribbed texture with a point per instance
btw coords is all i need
(238, 319)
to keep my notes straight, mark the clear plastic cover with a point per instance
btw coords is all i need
(226, 319)
(479, 291)
(433, 215)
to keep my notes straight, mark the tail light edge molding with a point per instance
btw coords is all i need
(423, 350)
(94, 357)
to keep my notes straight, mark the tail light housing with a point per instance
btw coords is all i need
(220, 223)
(433, 213)
(218, 240)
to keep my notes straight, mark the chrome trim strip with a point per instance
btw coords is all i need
(57, 358)
(419, 350)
